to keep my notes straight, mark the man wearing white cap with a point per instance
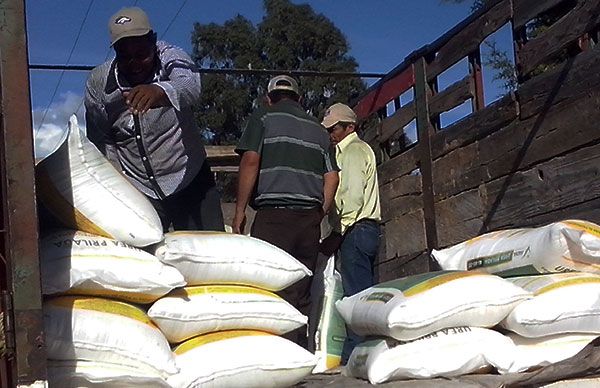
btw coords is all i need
(289, 175)
(356, 215)
(139, 114)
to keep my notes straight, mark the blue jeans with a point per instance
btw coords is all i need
(357, 257)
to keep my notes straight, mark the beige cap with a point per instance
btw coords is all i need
(338, 113)
(283, 82)
(128, 22)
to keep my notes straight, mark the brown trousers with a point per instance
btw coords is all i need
(296, 231)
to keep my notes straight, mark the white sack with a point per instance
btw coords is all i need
(84, 264)
(104, 330)
(244, 359)
(198, 310)
(417, 305)
(532, 353)
(225, 258)
(448, 352)
(329, 329)
(85, 192)
(570, 245)
(562, 303)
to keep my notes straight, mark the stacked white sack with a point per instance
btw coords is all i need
(107, 332)
(242, 358)
(570, 245)
(85, 192)
(80, 263)
(447, 352)
(418, 305)
(224, 258)
(562, 303)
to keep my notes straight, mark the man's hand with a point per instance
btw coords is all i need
(144, 97)
(238, 224)
(330, 244)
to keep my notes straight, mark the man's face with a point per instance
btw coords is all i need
(337, 133)
(136, 58)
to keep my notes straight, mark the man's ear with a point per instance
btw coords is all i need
(269, 101)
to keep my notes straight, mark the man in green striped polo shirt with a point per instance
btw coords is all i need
(288, 173)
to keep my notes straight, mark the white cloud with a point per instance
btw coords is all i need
(48, 136)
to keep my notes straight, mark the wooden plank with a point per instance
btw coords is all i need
(400, 206)
(567, 82)
(405, 235)
(459, 218)
(588, 210)
(585, 17)
(386, 92)
(475, 126)
(557, 184)
(402, 267)
(564, 127)
(452, 96)
(399, 165)
(396, 122)
(403, 185)
(469, 38)
(526, 10)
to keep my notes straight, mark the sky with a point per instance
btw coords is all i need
(381, 33)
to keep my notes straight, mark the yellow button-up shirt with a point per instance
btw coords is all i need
(357, 196)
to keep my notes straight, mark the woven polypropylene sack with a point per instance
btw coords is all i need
(83, 190)
(244, 359)
(80, 263)
(448, 352)
(104, 330)
(196, 310)
(225, 258)
(562, 303)
(415, 306)
(570, 245)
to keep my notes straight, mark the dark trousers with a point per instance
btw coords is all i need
(196, 207)
(296, 231)
(357, 257)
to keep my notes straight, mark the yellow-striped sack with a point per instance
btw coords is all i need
(225, 258)
(104, 330)
(562, 303)
(532, 353)
(81, 373)
(414, 306)
(448, 352)
(240, 358)
(80, 263)
(196, 310)
(85, 192)
(330, 329)
(570, 245)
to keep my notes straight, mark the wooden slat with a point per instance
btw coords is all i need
(562, 182)
(403, 185)
(399, 165)
(452, 96)
(475, 126)
(400, 206)
(402, 266)
(386, 92)
(405, 235)
(583, 18)
(526, 10)
(396, 122)
(459, 217)
(469, 38)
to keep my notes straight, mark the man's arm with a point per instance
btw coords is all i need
(183, 85)
(330, 183)
(248, 173)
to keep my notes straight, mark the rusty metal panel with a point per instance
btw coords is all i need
(20, 235)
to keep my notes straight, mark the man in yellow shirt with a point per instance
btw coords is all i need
(356, 217)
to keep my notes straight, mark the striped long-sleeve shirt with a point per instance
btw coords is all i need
(162, 151)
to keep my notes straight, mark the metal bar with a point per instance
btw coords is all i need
(425, 131)
(299, 73)
(478, 102)
(21, 239)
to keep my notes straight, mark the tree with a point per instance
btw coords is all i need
(289, 37)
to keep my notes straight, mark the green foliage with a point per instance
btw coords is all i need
(289, 37)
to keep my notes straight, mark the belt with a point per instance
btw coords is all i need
(367, 221)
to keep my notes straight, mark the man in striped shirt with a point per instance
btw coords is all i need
(289, 175)
(139, 115)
